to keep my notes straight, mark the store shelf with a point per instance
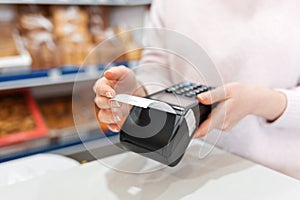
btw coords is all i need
(46, 145)
(66, 74)
(59, 80)
(47, 77)
(80, 2)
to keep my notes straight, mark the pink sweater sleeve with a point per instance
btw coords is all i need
(290, 119)
(153, 71)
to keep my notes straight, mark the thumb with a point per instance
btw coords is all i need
(213, 96)
(116, 73)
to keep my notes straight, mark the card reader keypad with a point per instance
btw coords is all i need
(188, 89)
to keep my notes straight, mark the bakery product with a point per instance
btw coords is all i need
(15, 115)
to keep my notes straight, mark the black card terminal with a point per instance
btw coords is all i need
(164, 135)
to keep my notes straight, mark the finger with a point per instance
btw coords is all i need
(204, 128)
(116, 73)
(212, 96)
(215, 120)
(103, 88)
(106, 116)
(105, 103)
(114, 127)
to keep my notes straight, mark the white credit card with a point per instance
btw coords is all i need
(143, 102)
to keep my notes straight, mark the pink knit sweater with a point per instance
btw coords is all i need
(254, 41)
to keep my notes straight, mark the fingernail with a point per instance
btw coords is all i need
(107, 72)
(203, 96)
(114, 129)
(110, 94)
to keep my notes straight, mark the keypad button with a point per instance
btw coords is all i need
(184, 84)
(197, 91)
(182, 90)
(195, 87)
(191, 87)
(186, 89)
(205, 88)
(188, 95)
(170, 90)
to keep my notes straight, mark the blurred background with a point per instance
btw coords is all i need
(43, 47)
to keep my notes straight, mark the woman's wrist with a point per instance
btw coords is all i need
(271, 104)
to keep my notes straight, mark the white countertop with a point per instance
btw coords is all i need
(218, 176)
